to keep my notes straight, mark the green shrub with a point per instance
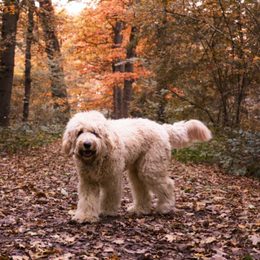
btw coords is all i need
(200, 152)
(18, 137)
(237, 152)
(240, 154)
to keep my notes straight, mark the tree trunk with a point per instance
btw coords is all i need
(27, 72)
(116, 67)
(161, 83)
(7, 54)
(118, 99)
(129, 67)
(58, 86)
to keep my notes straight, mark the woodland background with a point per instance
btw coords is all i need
(167, 60)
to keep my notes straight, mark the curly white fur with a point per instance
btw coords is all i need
(140, 146)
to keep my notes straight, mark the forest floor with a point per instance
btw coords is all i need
(217, 215)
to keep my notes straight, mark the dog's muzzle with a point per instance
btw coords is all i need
(87, 153)
(87, 150)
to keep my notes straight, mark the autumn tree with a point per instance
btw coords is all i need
(58, 86)
(129, 68)
(27, 72)
(10, 16)
(117, 67)
(208, 50)
(106, 46)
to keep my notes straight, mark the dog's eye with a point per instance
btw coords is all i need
(79, 133)
(94, 133)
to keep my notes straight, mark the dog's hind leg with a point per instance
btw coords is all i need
(141, 195)
(153, 172)
(165, 191)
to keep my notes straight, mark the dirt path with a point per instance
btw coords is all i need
(217, 216)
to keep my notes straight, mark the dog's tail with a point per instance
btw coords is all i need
(184, 133)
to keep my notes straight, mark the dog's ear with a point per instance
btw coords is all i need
(104, 131)
(68, 141)
(110, 140)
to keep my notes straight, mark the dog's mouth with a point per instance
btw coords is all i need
(87, 153)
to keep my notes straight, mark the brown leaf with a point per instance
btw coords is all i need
(199, 206)
(255, 239)
(170, 237)
(119, 241)
(208, 240)
(108, 250)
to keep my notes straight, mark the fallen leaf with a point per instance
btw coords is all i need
(64, 192)
(170, 237)
(255, 239)
(119, 241)
(251, 206)
(141, 251)
(108, 250)
(17, 257)
(208, 240)
(199, 206)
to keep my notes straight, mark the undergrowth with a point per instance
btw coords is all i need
(19, 137)
(237, 152)
(198, 153)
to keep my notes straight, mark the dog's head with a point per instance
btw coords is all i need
(87, 137)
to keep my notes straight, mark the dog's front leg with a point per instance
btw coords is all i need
(111, 195)
(88, 207)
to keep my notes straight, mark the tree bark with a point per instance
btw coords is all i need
(58, 86)
(118, 97)
(117, 67)
(27, 72)
(7, 54)
(161, 83)
(129, 67)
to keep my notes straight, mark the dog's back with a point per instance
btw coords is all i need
(138, 135)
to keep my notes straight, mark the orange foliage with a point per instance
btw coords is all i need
(176, 90)
(93, 53)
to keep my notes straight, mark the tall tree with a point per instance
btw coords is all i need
(58, 86)
(27, 72)
(129, 68)
(118, 67)
(160, 79)
(107, 37)
(207, 49)
(7, 54)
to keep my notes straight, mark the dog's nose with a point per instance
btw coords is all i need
(87, 145)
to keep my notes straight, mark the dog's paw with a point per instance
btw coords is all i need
(164, 209)
(107, 213)
(80, 218)
(138, 210)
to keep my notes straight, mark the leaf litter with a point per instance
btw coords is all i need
(216, 216)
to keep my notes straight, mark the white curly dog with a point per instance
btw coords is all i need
(103, 149)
